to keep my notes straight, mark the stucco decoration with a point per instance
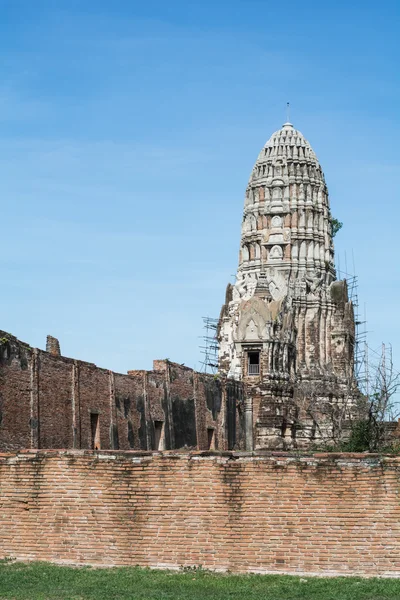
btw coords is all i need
(252, 331)
(286, 303)
(275, 238)
(276, 253)
(276, 221)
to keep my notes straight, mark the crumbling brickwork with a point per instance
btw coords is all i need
(50, 401)
(53, 345)
(315, 514)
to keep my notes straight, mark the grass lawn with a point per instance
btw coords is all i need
(42, 581)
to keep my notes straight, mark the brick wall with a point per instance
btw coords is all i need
(17, 393)
(316, 514)
(51, 401)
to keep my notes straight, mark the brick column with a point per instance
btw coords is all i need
(34, 402)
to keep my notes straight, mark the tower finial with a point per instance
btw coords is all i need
(287, 112)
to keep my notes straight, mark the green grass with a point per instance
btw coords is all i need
(43, 581)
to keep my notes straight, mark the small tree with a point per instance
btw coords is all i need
(382, 384)
(331, 408)
(336, 226)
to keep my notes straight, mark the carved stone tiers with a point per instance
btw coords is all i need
(287, 327)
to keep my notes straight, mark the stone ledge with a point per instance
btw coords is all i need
(314, 458)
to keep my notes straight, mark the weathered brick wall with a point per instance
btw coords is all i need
(50, 401)
(17, 392)
(55, 406)
(321, 514)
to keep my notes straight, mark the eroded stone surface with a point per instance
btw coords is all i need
(287, 306)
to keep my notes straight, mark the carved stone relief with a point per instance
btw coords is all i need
(276, 221)
(276, 253)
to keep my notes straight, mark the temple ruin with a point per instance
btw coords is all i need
(286, 338)
(287, 326)
(51, 401)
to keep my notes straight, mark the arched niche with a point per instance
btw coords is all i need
(276, 253)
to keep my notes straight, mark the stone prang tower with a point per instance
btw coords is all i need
(287, 326)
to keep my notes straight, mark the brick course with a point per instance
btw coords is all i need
(315, 514)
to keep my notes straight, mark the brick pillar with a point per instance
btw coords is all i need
(34, 400)
(76, 407)
(53, 346)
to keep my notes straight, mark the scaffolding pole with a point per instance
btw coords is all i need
(209, 349)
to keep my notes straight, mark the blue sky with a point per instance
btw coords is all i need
(127, 134)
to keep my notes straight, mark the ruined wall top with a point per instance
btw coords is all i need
(53, 346)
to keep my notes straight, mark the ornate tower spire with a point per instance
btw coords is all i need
(287, 323)
(286, 220)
